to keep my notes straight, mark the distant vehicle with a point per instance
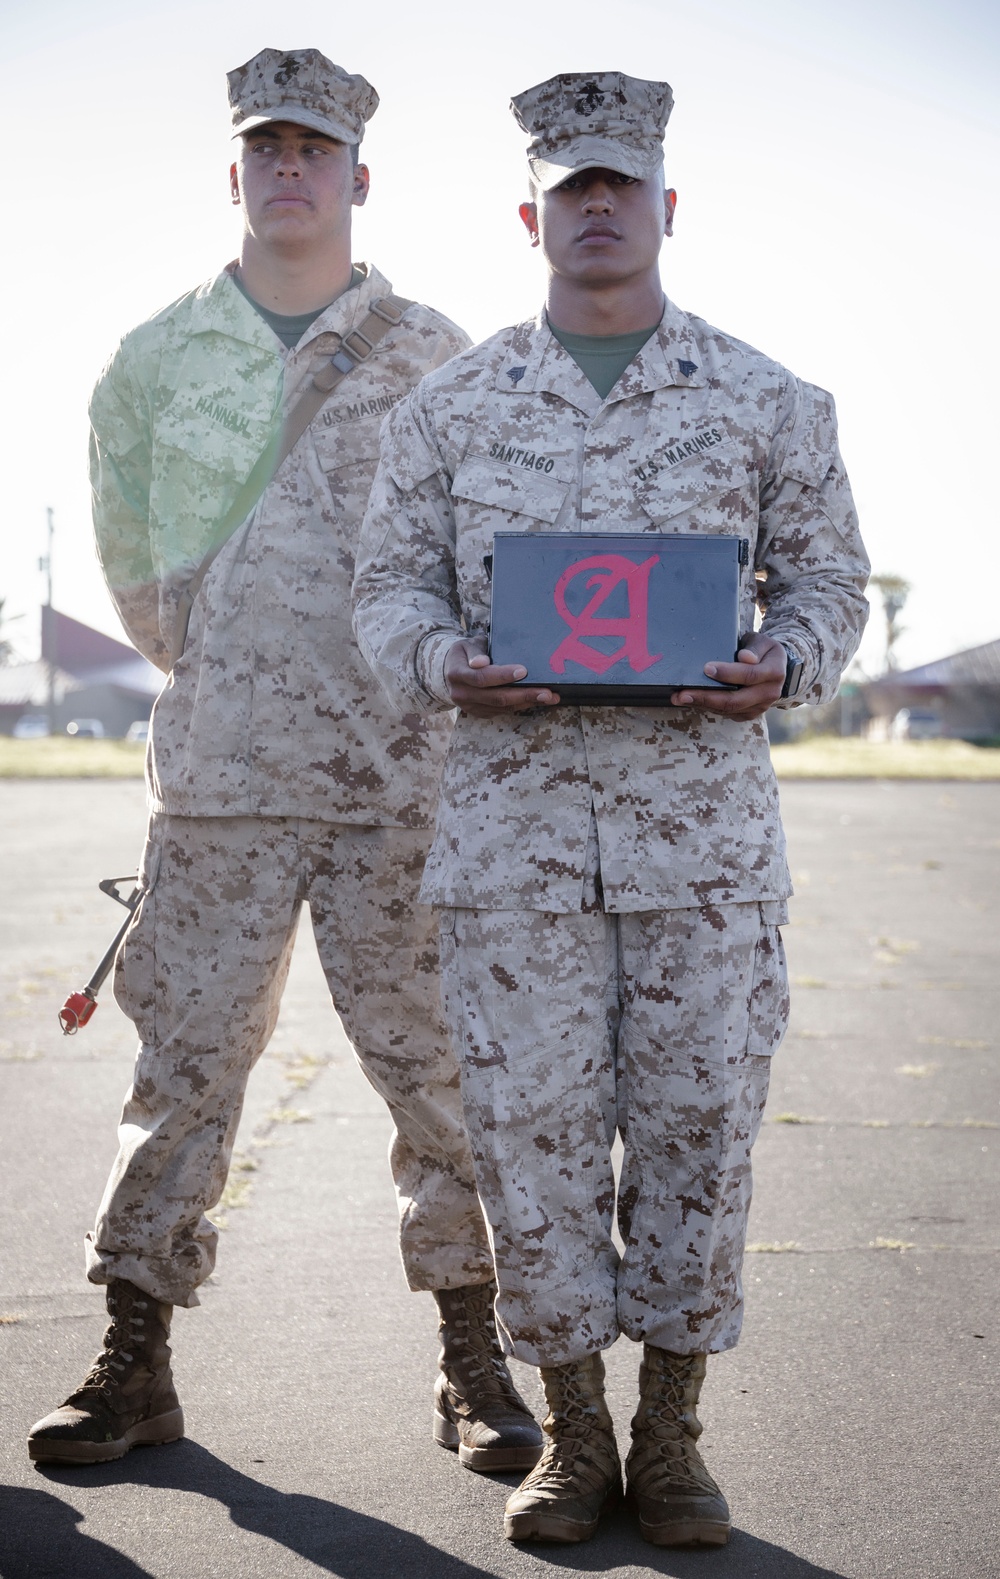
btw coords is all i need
(85, 728)
(31, 726)
(138, 730)
(916, 723)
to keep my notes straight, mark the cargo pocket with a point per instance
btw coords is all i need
(135, 966)
(769, 1005)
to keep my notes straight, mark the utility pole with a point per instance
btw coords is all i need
(48, 626)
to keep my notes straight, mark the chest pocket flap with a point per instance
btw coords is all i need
(518, 489)
(222, 416)
(346, 443)
(672, 482)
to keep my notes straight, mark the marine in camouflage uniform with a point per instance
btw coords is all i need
(612, 880)
(278, 774)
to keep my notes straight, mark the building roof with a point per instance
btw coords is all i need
(974, 666)
(133, 675)
(96, 659)
(76, 646)
(82, 657)
(27, 684)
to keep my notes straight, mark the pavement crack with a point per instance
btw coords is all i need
(883, 1123)
(877, 1246)
(300, 1072)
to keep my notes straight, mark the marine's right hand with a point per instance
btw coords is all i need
(484, 689)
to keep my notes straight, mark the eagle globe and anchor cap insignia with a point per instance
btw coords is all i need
(590, 98)
(605, 574)
(583, 120)
(287, 71)
(303, 87)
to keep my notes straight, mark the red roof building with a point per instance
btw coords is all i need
(94, 676)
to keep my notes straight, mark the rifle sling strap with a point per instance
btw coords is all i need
(354, 348)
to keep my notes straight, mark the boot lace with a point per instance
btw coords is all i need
(124, 1334)
(665, 1432)
(572, 1465)
(580, 1453)
(477, 1359)
(571, 1403)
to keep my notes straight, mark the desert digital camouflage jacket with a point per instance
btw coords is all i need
(701, 434)
(270, 711)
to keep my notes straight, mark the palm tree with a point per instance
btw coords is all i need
(7, 653)
(894, 591)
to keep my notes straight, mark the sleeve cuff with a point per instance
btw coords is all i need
(431, 654)
(810, 671)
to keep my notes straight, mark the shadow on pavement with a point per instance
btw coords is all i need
(346, 1543)
(41, 1539)
(618, 1544)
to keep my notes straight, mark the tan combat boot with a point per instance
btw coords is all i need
(579, 1474)
(127, 1397)
(677, 1500)
(477, 1408)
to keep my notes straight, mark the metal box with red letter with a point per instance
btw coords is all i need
(615, 617)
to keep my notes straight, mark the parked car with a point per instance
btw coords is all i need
(138, 730)
(85, 728)
(31, 726)
(921, 723)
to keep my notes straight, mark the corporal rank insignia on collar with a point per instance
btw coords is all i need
(687, 368)
(515, 374)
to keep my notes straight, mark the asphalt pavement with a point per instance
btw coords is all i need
(855, 1427)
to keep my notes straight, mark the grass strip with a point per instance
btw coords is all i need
(62, 757)
(830, 757)
(822, 757)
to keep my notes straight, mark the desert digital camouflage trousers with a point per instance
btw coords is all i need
(658, 1024)
(201, 974)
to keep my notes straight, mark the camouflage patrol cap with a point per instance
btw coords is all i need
(301, 86)
(583, 119)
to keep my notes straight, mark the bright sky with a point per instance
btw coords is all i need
(836, 163)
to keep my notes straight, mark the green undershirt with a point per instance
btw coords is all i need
(603, 358)
(290, 327)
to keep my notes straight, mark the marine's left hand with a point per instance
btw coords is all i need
(759, 671)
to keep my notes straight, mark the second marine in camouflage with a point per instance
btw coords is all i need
(612, 881)
(278, 774)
